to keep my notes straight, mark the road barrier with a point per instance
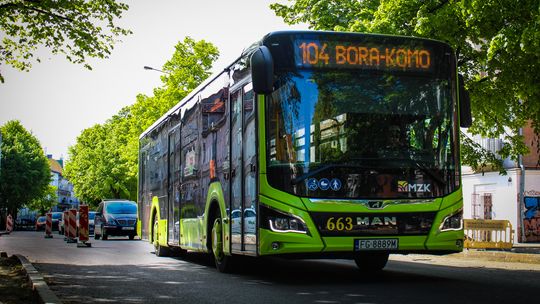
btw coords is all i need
(9, 223)
(65, 223)
(488, 234)
(72, 226)
(48, 226)
(83, 227)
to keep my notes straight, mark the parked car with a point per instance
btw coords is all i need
(25, 223)
(56, 217)
(40, 223)
(115, 217)
(91, 216)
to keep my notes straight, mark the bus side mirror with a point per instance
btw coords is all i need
(465, 116)
(262, 71)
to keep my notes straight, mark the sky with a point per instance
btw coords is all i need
(56, 99)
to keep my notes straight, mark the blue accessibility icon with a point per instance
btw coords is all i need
(312, 184)
(335, 184)
(324, 184)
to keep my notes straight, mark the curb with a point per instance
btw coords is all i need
(499, 256)
(38, 283)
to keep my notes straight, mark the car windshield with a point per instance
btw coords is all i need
(350, 134)
(121, 208)
(91, 215)
(57, 215)
(41, 219)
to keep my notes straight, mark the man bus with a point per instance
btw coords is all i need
(311, 144)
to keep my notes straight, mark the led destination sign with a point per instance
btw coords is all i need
(335, 54)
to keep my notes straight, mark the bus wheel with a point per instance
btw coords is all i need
(223, 262)
(159, 250)
(371, 261)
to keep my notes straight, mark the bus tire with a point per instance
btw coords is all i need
(371, 261)
(160, 251)
(223, 262)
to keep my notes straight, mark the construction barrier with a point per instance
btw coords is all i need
(83, 227)
(488, 234)
(48, 226)
(65, 222)
(9, 223)
(72, 226)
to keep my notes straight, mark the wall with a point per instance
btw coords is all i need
(503, 194)
(531, 160)
(531, 210)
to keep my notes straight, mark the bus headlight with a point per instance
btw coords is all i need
(452, 222)
(278, 221)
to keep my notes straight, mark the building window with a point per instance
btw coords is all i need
(482, 206)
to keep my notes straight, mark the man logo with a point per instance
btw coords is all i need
(404, 186)
(375, 205)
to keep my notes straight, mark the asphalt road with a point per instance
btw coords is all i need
(123, 271)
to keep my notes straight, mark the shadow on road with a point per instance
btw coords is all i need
(193, 279)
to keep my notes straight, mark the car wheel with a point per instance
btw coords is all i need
(96, 236)
(371, 261)
(223, 262)
(131, 236)
(104, 235)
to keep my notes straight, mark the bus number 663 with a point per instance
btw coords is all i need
(339, 223)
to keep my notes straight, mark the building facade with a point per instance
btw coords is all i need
(64, 189)
(514, 197)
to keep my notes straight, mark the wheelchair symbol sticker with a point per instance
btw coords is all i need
(312, 184)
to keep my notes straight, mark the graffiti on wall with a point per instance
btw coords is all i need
(531, 216)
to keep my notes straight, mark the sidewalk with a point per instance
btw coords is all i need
(520, 253)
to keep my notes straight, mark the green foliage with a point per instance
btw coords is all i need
(45, 202)
(24, 174)
(496, 42)
(104, 161)
(75, 28)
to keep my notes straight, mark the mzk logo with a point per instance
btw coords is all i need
(405, 186)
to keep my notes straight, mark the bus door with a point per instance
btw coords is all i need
(173, 182)
(243, 171)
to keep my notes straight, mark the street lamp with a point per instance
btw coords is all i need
(151, 68)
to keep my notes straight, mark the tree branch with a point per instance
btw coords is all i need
(47, 13)
(436, 8)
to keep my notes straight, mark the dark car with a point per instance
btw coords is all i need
(56, 217)
(91, 216)
(117, 218)
(40, 223)
(25, 223)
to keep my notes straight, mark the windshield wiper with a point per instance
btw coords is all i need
(434, 175)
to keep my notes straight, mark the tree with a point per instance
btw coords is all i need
(496, 43)
(45, 202)
(104, 161)
(25, 173)
(76, 28)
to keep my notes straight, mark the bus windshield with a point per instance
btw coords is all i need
(356, 134)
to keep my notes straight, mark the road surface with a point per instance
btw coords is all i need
(123, 271)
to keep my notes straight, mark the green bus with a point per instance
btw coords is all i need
(311, 145)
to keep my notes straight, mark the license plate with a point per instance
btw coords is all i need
(375, 244)
(128, 228)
